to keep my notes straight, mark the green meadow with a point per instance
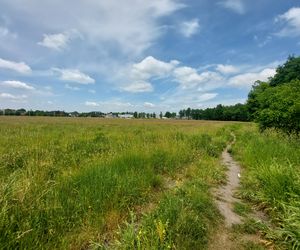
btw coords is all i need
(71, 183)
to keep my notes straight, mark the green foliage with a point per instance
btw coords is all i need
(238, 112)
(241, 208)
(276, 104)
(65, 183)
(183, 218)
(253, 104)
(279, 107)
(287, 72)
(272, 181)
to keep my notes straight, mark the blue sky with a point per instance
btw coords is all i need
(140, 55)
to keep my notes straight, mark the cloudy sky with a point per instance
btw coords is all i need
(150, 55)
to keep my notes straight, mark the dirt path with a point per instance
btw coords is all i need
(225, 194)
(224, 198)
(224, 238)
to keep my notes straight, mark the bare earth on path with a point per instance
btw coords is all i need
(225, 198)
(225, 194)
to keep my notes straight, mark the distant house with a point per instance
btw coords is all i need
(110, 115)
(126, 116)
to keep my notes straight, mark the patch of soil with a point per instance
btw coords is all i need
(225, 194)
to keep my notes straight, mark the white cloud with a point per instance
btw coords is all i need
(207, 96)
(291, 22)
(58, 41)
(92, 91)
(55, 41)
(189, 28)
(67, 86)
(149, 105)
(151, 67)
(74, 75)
(140, 73)
(138, 87)
(129, 26)
(227, 69)
(91, 104)
(111, 106)
(190, 78)
(5, 32)
(187, 98)
(17, 85)
(234, 5)
(12, 97)
(246, 80)
(20, 67)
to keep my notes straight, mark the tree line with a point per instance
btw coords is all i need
(274, 103)
(238, 112)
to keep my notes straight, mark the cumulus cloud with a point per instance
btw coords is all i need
(111, 106)
(58, 41)
(189, 28)
(74, 76)
(67, 86)
(19, 67)
(17, 85)
(131, 26)
(149, 105)
(187, 98)
(190, 78)
(12, 97)
(246, 80)
(151, 67)
(291, 23)
(138, 87)
(234, 5)
(139, 74)
(227, 69)
(91, 104)
(55, 41)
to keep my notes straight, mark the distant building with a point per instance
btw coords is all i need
(126, 116)
(110, 115)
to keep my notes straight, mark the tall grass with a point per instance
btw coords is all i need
(184, 218)
(66, 183)
(272, 180)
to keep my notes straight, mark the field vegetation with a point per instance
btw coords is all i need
(271, 181)
(73, 183)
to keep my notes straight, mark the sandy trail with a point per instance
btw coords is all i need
(225, 199)
(225, 194)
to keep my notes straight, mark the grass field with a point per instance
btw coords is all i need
(271, 181)
(70, 183)
(74, 183)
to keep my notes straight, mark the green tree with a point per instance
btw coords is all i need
(252, 102)
(287, 72)
(168, 114)
(279, 107)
